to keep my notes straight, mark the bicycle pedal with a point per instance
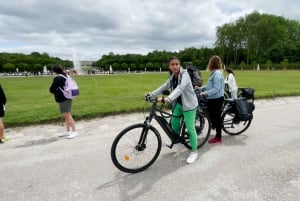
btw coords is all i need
(169, 144)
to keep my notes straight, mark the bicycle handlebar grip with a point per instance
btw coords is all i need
(148, 97)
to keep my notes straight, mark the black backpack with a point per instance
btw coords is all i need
(195, 76)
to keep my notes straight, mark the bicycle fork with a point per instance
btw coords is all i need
(141, 145)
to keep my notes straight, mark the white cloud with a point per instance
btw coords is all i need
(97, 27)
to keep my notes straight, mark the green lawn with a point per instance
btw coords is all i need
(29, 100)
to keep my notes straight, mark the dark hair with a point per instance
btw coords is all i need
(173, 57)
(229, 70)
(58, 69)
(169, 61)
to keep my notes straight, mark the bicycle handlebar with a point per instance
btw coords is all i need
(150, 98)
(154, 100)
(201, 99)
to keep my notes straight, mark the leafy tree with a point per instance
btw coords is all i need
(269, 64)
(243, 65)
(284, 64)
(125, 66)
(141, 67)
(149, 66)
(9, 67)
(22, 67)
(133, 67)
(258, 37)
(37, 67)
(28, 62)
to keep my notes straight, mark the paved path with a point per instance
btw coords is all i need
(262, 164)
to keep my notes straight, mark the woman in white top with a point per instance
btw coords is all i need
(231, 83)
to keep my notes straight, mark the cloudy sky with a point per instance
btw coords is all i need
(91, 28)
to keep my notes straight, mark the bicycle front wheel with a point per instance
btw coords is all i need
(232, 125)
(203, 127)
(135, 148)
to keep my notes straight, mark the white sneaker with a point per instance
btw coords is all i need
(72, 135)
(192, 157)
(64, 134)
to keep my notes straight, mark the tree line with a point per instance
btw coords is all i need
(259, 39)
(34, 62)
(256, 40)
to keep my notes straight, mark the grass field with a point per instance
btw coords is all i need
(29, 100)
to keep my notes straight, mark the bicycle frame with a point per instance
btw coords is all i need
(132, 142)
(161, 121)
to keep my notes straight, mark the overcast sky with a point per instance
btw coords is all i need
(91, 28)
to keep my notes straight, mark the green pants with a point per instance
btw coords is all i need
(189, 119)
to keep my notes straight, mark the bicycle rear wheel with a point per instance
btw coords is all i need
(203, 127)
(131, 154)
(232, 125)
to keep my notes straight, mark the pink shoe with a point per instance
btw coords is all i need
(215, 140)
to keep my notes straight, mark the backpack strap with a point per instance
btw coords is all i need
(61, 75)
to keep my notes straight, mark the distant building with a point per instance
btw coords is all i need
(86, 63)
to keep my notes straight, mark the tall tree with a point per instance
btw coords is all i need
(258, 37)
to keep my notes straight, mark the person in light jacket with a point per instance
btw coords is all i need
(184, 101)
(214, 92)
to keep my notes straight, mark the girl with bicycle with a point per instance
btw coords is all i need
(214, 92)
(184, 102)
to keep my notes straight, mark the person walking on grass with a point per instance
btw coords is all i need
(184, 101)
(3, 138)
(214, 93)
(65, 105)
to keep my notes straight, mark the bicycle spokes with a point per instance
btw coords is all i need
(133, 150)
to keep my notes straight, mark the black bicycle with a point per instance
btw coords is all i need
(138, 146)
(232, 123)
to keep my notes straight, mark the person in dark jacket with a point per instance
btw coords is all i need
(65, 105)
(3, 138)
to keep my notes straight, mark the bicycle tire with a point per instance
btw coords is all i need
(233, 126)
(124, 151)
(203, 128)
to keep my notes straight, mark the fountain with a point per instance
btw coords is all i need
(76, 63)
